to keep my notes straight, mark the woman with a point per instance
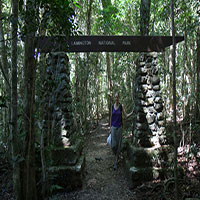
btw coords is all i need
(116, 127)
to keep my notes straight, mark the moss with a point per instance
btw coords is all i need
(68, 155)
(68, 177)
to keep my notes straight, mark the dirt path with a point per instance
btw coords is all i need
(101, 182)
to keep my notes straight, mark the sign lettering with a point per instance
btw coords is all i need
(81, 43)
(126, 43)
(108, 43)
(105, 43)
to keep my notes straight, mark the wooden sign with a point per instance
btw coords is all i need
(105, 43)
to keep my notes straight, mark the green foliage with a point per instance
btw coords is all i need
(57, 17)
(49, 17)
(76, 4)
(3, 103)
(53, 188)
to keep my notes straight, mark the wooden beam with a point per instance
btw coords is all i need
(105, 43)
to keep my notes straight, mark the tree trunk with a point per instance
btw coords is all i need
(96, 86)
(5, 71)
(108, 63)
(174, 99)
(3, 51)
(145, 16)
(77, 92)
(106, 4)
(14, 134)
(87, 62)
(198, 74)
(184, 82)
(89, 11)
(171, 78)
(29, 181)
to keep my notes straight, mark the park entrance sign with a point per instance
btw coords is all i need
(105, 43)
(149, 130)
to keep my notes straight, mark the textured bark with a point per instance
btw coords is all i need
(97, 88)
(29, 183)
(28, 180)
(174, 100)
(198, 74)
(86, 95)
(77, 91)
(106, 4)
(14, 134)
(89, 11)
(108, 63)
(4, 59)
(145, 17)
(5, 72)
(184, 81)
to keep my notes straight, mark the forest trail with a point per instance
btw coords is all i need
(101, 182)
